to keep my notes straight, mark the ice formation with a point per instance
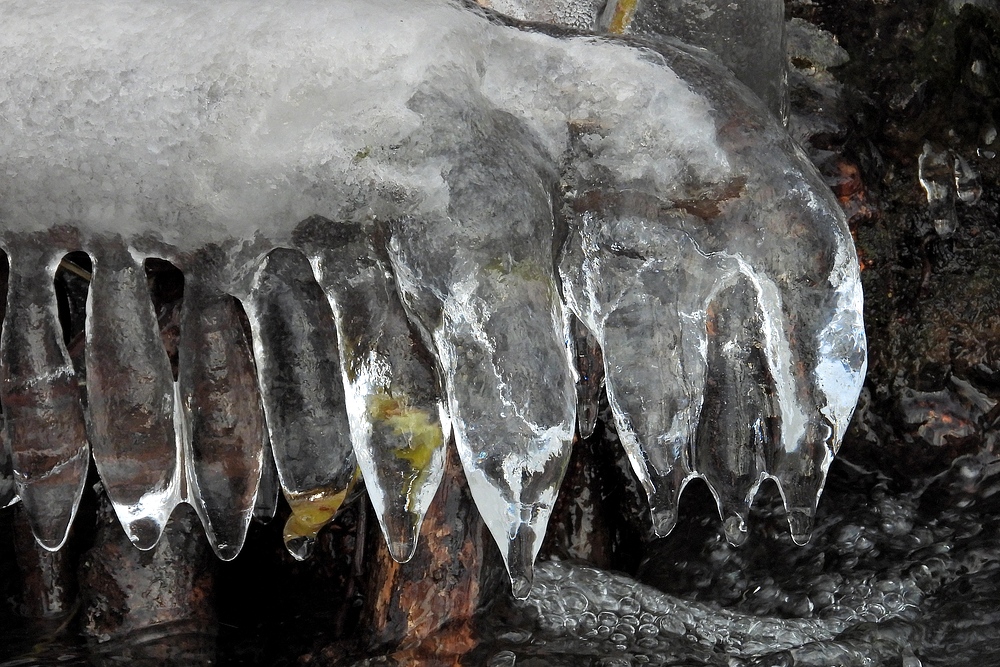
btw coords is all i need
(747, 36)
(418, 217)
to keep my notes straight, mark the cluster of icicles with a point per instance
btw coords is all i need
(371, 241)
(278, 404)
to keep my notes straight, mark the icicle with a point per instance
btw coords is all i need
(8, 493)
(737, 419)
(224, 422)
(479, 282)
(649, 317)
(130, 397)
(590, 384)
(680, 174)
(44, 418)
(295, 339)
(501, 345)
(397, 417)
(266, 505)
(513, 430)
(310, 514)
(814, 344)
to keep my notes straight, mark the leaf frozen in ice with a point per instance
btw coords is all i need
(398, 426)
(476, 158)
(298, 367)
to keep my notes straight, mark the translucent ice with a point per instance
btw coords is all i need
(748, 36)
(223, 420)
(43, 416)
(266, 505)
(130, 393)
(411, 213)
(8, 494)
(398, 422)
(295, 341)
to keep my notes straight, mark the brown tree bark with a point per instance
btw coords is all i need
(146, 595)
(426, 608)
(48, 579)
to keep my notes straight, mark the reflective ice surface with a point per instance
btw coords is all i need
(748, 36)
(43, 417)
(130, 391)
(407, 216)
(295, 343)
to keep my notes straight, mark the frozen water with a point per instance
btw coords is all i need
(748, 37)
(411, 214)
(43, 415)
(130, 391)
(590, 378)
(266, 505)
(8, 494)
(221, 415)
(398, 421)
(578, 14)
(295, 341)
(589, 604)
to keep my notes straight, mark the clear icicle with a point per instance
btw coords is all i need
(480, 284)
(737, 419)
(43, 414)
(590, 383)
(8, 493)
(502, 348)
(675, 165)
(649, 317)
(513, 431)
(224, 422)
(130, 397)
(302, 389)
(397, 417)
(814, 343)
(266, 505)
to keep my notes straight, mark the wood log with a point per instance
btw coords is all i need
(427, 606)
(168, 589)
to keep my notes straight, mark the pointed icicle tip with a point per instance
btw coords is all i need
(224, 551)
(144, 533)
(402, 550)
(300, 548)
(664, 521)
(521, 561)
(401, 535)
(586, 419)
(800, 524)
(520, 586)
(311, 511)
